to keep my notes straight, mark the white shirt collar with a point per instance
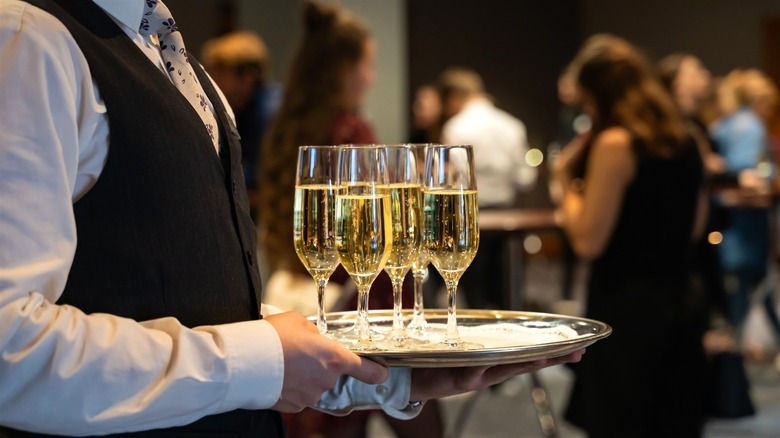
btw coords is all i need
(127, 12)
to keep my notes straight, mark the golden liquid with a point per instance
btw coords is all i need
(451, 234)
(314, 229)
(405, 210)
(363, 235)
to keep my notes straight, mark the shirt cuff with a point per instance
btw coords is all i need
(392, 396)
(256, 362)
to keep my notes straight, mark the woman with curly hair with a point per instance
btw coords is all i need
(330, 72)
(630, 197)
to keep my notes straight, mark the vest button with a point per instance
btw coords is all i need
(249, 258)
(234, 186)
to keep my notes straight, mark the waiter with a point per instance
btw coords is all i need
(129, 293)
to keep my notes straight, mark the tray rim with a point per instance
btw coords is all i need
(480, 357)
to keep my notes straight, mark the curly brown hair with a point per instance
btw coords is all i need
(333, 43)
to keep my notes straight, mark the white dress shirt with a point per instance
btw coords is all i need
(500, 145)
(68, 373)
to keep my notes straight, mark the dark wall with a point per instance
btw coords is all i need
(725, 34)
(200, 20)
(519, 47)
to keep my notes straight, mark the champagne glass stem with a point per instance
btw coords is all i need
(452, 338)
(418, 320)
(364, 332)
(322, 324)
(398, 317)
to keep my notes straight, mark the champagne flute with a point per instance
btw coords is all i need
(418, 324)
(405, 200)
(314, 225)
(363, 225)
(451, 224)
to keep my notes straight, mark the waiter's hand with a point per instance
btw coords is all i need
(430, 383)
(313, 363)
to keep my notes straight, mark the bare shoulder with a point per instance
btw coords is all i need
(612, 151)
(615, 139)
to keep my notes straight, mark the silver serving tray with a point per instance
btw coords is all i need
(583, 331)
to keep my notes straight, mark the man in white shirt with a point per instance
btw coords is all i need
(500, 145)
(81, 158)
(499, 138)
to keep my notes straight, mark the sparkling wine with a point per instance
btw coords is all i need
(314, 229)
(405, 200)
(451, 234)
(363, 235)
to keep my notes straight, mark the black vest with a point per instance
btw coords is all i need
(166, 229)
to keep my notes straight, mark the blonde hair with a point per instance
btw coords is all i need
(746, 88)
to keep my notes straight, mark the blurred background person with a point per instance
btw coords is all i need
(747, 100)
(426, 116)
(328, 76)
(500, 145)
(690, 85)
(629, 200)
(331, 71)
(239, 64)
(727, 388)
(499, 138)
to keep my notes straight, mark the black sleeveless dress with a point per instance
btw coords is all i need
(645, 380)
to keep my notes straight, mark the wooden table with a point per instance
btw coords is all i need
(516, 224)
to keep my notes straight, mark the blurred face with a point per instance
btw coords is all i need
(361, 76)
(237, 87)
(692, 84)
(427, 107)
